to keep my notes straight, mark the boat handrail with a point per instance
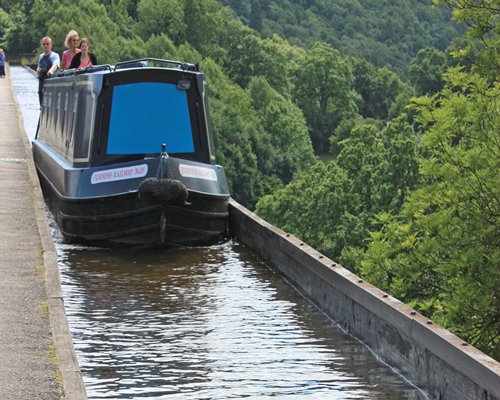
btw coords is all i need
(89, 69)
(143, 63)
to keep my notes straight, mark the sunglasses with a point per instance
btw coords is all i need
(45, 44)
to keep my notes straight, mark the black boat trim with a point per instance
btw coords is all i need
(107, 235)
(198, 213)
(107, 217)
(145, 210)
(143, 229)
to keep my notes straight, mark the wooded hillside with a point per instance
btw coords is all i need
(385, 33)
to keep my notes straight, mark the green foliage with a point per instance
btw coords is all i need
(442, 252)
(285, 148)
(382, 164)
(111, 37)
(323, 91)
(119, 13)
(270, 58)
(386, 34)
(344, 129)
(482, 17)
(234, 126)
(157, 17)
(88, 17)
(129, 49)
(17, 33)
(320, 197)
(5, 22)
(261, 138)
(375, 170)
(381, 90)
(161, 46)
(212, 29)
(426, 71)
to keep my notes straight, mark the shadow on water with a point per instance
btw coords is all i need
(203, 323)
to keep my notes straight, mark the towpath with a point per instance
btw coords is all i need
(37, 359)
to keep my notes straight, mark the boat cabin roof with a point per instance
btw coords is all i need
(103, 114)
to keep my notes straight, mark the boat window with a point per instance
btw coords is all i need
(85, 99)
(58, 116)
(145, 115)
(67, 119)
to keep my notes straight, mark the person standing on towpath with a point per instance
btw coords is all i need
(2, 63)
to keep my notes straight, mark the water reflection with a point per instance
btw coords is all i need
(209, 323)
(26, 87)
(202, 323)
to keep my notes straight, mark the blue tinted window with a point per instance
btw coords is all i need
(145, 115)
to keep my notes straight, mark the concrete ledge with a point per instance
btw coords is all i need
(429, 356)
(74, 388)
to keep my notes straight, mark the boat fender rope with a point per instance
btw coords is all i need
(163, 190)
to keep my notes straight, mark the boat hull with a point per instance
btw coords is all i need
(127, 220)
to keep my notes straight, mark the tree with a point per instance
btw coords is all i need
(285, 146)
(480, 16)
(386, 34)
(161, 17)
(212, 28)
(121, 12)
(88, 17)
(382, 164)
(426, 71)
(482, 19)
(344, 129)
(130, 49)
(379, 89)
(5, 22)
(234, 126)
(19, 35)
(255, 21)
(272, 58)
(160, 46)
(324, 92)
(318, 207)
(333, 206)
(441, 254)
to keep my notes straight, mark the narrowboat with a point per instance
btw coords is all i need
(125, 156)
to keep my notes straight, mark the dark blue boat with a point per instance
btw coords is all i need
(125, 156)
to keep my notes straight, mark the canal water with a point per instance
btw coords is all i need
(203, 323)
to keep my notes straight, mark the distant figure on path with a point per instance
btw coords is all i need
(71, 43)
(2, 63)
(84, 58)
(48, 62)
